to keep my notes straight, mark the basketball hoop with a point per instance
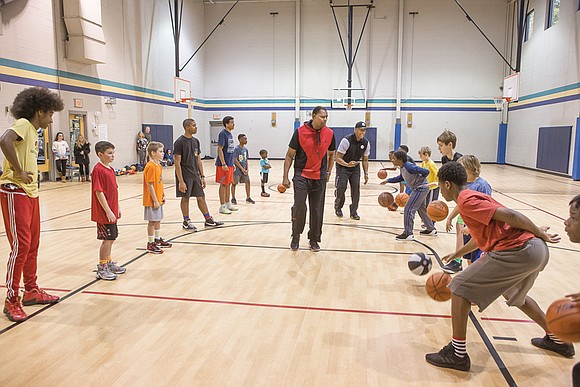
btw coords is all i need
(501, 102)
(189, 102)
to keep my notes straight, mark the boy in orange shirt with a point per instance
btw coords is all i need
(154, 198)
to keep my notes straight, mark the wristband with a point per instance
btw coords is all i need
(202, 176)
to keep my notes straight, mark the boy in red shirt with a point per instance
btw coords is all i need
(516, 254)
(105, 209)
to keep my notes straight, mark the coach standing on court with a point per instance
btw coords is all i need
(312, 146)
(350, 150)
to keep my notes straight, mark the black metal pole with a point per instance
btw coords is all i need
(522, 21)
(176, 37)
(349, 80)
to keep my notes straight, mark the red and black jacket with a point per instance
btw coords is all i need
(311, 146)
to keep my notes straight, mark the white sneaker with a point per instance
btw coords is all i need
(224, 209)
(231, 207)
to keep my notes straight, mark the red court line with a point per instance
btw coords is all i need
(298, 307)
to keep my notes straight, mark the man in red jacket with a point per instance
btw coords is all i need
(312, 150)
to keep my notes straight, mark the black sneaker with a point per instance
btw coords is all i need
(234, 201)
(250, 200)
(452, 267)
(355, 217)
(404, 237)
(447, 358)
(338, 213)
(314, 246)
(429, 232)
(211, 222)
(295, 243)
(565, 349)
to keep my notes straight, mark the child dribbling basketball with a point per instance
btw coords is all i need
(154, 198)
(105, 210)
(516, 254)
(475, 183)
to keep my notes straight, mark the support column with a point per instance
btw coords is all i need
(576, 158)
(501, 143)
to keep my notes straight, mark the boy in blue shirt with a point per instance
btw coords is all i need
(241, 173)
(264, 171)
(224, 163)
(416, 179)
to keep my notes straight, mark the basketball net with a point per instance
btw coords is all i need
(189, 102)
(501, 102)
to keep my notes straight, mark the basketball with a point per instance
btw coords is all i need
(401, 199)
(436, 286)
(437, 210)
(382, 174)
(419, 263)
(386, 199)
(563, 318)
(281, 188)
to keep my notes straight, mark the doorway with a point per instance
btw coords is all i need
(215, 127)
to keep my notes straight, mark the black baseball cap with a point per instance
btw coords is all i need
(360, 124)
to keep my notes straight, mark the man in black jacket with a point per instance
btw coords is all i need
(349, 153)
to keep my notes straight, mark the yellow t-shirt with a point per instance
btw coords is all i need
(27, 155)
(152, 174)
(432, 177)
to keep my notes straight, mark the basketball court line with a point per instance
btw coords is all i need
(530, 205)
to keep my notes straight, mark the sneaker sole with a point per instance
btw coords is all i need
(34, 302)
(449, 366)
(9, 317)
(155, 252)
(190, 229)
(107, 279)
(406, 239)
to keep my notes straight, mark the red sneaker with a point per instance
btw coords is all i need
(13, 310)
(38, 296)
(162, 243)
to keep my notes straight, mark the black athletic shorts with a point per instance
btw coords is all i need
(107, 232)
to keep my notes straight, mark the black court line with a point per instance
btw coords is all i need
(504, 338)
(493, 352)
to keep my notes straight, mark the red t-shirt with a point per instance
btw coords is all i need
(477, 210)
(104, 180)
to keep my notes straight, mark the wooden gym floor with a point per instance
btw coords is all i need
(234, 306)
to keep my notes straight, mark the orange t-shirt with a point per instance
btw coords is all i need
(152, 174)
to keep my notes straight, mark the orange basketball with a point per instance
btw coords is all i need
(382, 174)
(386, 199)
(281, 188)
(437, 210)
(563, 318)
(401, 199)
(436, 286)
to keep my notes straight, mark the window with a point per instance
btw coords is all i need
(529, 25)
(553, 12)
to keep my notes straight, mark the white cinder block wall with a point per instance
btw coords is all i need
(252, 57)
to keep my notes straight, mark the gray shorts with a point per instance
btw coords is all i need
(510, 273)
(241, 179)
(152, 214)
(194, 187)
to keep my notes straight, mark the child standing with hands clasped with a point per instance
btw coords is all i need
(264, 171)
(154, 198)
(105, 209)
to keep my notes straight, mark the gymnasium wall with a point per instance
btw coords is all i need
(138, 72)
(247, 69)
(450, 73)
(549, 82)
